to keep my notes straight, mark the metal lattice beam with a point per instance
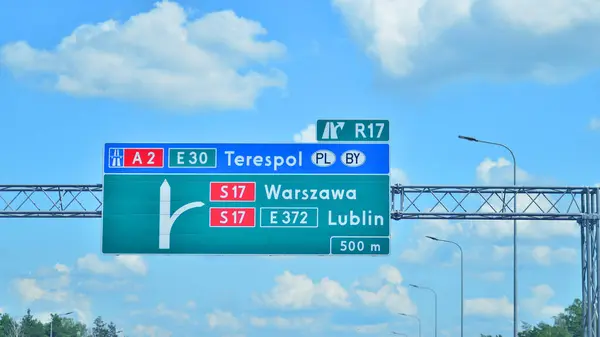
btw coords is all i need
(488, 202)
(50, 201)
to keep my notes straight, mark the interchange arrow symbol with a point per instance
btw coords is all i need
(166, 220)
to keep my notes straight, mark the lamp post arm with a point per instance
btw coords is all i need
(462, 284)
(454, 243)
(511, 154)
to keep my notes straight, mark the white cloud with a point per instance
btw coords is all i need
(526, 229)
(106, 285)
(299, 291)
(436, 40)
(259, 322)
(421, 253)
(151, 331)
(389, 293)
(223, 319)
(397, 176)
(282, 322)
(595, 123)
(541, 255)
(363, 329)
(191, 305)
(308, 135)
(51, 288)
(545, 255)
(499, 172)
(162, 310)
(490, 307)
(538, 305)
(43, 317)
(32, 290)
(501, 252)
(186, 62)
(132, 298)
(132, 263)
(425, 248)
(493, 276)
(61, 268)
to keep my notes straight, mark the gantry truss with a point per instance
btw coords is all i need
(51, 201)
(580, 204)
(491, 202)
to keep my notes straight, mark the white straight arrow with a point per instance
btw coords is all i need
(166, 220)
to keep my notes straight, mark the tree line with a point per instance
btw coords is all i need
(62, 326)
(566, 324)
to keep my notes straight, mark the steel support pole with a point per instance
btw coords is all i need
(515, 279)
(584, 269)
(596, 252)
(590, 266)
(436, 311)
(595, 324)
(462, 292)
(462, 284)
(594, 286)
(435, 314)
(590, 262)
(415, 317)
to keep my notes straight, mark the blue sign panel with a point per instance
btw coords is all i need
(209, 158)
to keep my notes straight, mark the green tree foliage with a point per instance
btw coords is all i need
(29, 326)
(566, 324)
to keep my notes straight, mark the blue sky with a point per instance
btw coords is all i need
(76, 75)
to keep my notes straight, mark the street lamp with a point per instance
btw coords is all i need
(462, 281)
(398, 333)
(52, 321)
(434, 298)
(471, 139)
(415, 317)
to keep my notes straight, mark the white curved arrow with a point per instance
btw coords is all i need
(166, 220)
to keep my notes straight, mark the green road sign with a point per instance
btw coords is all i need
(246, 214)
(246, 199)
(353, 130)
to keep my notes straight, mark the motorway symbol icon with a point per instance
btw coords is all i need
(116, 157)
